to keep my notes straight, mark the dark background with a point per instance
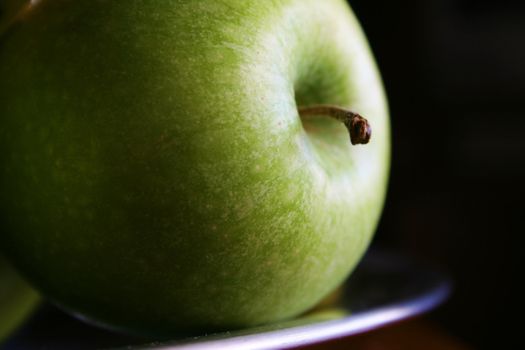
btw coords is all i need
(454, 72)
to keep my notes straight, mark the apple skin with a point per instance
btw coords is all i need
(156, 176)
(17, 300)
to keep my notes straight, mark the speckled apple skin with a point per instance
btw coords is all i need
(155, 174)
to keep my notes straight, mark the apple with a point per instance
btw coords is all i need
(17, 300)
(171, 166)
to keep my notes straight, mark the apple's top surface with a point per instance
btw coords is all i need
(385, 288)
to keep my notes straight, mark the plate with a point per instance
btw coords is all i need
(385, 288)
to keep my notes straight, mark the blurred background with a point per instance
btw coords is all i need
(454, 72)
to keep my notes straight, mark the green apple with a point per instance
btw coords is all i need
(156, 175)
(17, 300)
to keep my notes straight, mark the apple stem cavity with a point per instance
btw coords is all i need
(358, 127)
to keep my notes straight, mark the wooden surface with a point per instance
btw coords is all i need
(417, 334)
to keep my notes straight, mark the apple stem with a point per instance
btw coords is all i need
(358, 127)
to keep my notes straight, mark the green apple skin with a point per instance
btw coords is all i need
(156, 176)
(17, 300)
